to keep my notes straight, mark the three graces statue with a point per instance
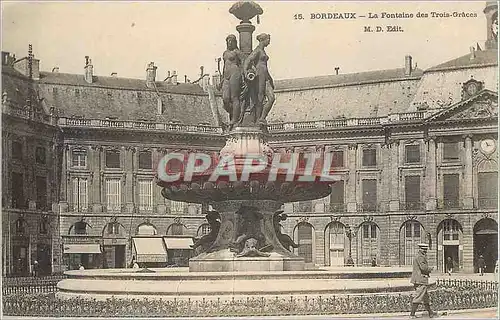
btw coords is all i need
(247, 87)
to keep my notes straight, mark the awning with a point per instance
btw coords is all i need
(178, 243)
(82, 248)
(150, 250)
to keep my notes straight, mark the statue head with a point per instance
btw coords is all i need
(231, 42)
(264, 39)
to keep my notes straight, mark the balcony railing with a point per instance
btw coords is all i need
(338, 207)
(368, 207)
(411, 206)
(449, 204)
(487, 203)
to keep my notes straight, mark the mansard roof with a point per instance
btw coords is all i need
(482, 58)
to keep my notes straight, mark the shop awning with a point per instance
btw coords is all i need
(150, 250)
(178, 243)
(82, 248)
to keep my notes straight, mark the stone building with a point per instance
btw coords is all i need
(415, 150)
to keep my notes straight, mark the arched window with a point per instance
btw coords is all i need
(305, 241)
(113, 228)
(203, 230)
(146, 229)
(175, 229)
(411, 234)
(81, 227)
(368, 243)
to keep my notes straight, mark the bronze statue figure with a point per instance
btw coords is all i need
(232, 80)
(262, 84)
(284, 239)
(206, 241)
(249, 239)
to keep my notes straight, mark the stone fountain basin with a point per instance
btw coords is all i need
(179, 283)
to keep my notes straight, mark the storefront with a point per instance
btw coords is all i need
(149, 252)
(89, 255)
(179, 250)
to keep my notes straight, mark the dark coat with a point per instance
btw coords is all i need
(481, 263)
(421, 269)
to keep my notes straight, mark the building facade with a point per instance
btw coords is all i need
(416, 152)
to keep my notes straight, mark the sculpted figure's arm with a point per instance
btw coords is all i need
(250, 60)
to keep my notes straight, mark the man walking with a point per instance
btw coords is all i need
(481, 264)
(420, 280)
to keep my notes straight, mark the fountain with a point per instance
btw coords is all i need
(246, 184)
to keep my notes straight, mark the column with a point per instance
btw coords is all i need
(351, 182)
(158, 200)
(130, 153)
(384, 194)
(468, 185)
(63, 203)
(394, 186)
(95, 168)
(430, 175)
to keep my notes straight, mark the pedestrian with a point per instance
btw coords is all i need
(420, 280)
(449, 266)
(81, 267)
(481, 264)
(374, 262)
(36, 268)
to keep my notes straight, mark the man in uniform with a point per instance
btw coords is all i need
(420, 279)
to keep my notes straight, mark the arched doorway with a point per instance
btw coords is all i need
(368, 243)
(449, 237)
(305, 239)
(411, 233)
(485, 243)
(336, 249)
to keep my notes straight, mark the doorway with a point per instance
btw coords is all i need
(44, 259)
(485, 243)
(450, 251)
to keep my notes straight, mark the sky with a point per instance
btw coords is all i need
(123, 37)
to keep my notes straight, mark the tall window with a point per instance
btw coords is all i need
(41, 193)
(20, 226)
(113, 194)
(177, 206)
(305, 235)
(44, 226)
(450, 151)
(412, 231)
(412, 193)
(79, 158)
(451, 230)
(338, 158)
(369, 157)
(17, 150)
(40, 155)
(112, 159)
(368, 242)
(337, 197)
(335, 241)
(412, 154)
(487, 183)
(369, 195)
(145, 160)
(18, 200)
(145, 195)
(80, 194)
(450, 191)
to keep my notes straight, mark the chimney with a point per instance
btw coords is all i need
(174, 77)
(337, 71)
(114, 74)
(169, 79)
(472, 53)
(28, 66)
(408, 66)
(89, 70)
(150, 75)
(55, 70)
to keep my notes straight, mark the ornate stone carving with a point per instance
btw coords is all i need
(284, 239)
(368, 218)
(411, 218)
(479, 110)
(335, 218)
(303, 219)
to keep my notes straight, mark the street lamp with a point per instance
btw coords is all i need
(350, 234)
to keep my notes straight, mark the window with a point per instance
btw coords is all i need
(18, 191)
(44, 226)
(412, 237)
(114, 228)
(79, 158)
(176, 229)
(338, 159)
(80, 194)
(451, 230)
(80, 227)
(146, 229)
(368, 244)
(40, 155)
(369, 157)
(337, 197)
(145, 195)
(450, 151)
(450, 191)
(41, 193)
(17, 150)
(412, 153)
(412, 193)
(20, 226)
(145, 160)
(305, 241)
(177, 206)
(113, 195)
(369, 195)
(112, 159)
(204, 229)
(487, 183)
